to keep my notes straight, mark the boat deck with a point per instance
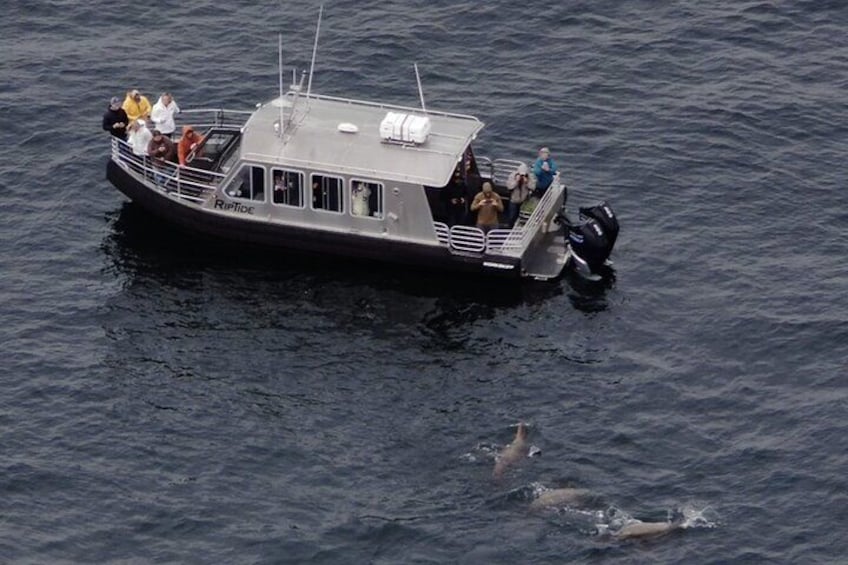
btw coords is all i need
(546, 260)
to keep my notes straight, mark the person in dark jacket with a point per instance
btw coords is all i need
(115, 119)
(455, 199)
(161, 148)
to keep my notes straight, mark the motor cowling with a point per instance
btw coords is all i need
(604, 215)
(589, 242)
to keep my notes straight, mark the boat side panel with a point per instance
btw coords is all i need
(275, 235)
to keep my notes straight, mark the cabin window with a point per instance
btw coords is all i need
(288, 188)
(366, 198)
(327, 193)
(249, 183)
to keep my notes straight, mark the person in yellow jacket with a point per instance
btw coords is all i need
(136, 106)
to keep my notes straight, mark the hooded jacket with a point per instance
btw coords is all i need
(187, 143)
(136, 110)
(518, 191)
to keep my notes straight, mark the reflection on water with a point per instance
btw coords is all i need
(143, 250)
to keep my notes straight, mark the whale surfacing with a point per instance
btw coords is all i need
(646, 529)
(557, 497)
(512, 453)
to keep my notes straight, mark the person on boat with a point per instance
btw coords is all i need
(136, 106)
(163, 114)
(359, 195)
(161, 149)
(189, 143)
(487, 204)
(115, 119)
(139, 137)
(454, 198)
(520, 184)
(281, 189)
(544, 168)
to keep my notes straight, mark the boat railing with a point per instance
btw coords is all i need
(500, 242)
(385, 106)
(508, 242)
(184, 183)
(204, 118)
(497, 170)
(522, 235)
(470, 239)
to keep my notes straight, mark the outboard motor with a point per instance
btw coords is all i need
(589, 243)
(604, 215)
(593, 238)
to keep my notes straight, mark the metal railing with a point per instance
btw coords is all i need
(508, 242)
(521, 237)
(185, 183)
(471, 239)
(203, 118)
(385, 106)
(498, 170)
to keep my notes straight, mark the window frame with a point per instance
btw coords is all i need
(381, 201)
(302, 175)
(264, 199)
(341, 195)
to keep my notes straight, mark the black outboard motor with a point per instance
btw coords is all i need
(593, 238)
(604, 215)
(590, 243)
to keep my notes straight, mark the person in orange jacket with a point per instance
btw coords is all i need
(190, 141)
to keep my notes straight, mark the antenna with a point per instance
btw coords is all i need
(314, 51)
(420, 91)
(280, 57)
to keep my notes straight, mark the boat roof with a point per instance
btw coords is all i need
(313, 139)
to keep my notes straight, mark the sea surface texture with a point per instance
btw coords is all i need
(165, 401)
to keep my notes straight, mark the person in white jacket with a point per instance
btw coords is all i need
(521, 185)
(139, 137)
(163, 114)
(359, 195)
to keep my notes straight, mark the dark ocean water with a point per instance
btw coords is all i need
(165, 402)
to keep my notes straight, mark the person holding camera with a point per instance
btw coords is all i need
(520, 184)
(545, 169)
(487, 204)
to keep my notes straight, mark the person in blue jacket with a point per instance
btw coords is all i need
(544, 168)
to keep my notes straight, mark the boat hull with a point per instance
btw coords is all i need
(197, 221)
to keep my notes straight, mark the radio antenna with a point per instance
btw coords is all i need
(280, 58)
(314, 51)
(420, 90)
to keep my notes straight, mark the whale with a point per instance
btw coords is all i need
(512, 453)
(647, 529)
(558, 497)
